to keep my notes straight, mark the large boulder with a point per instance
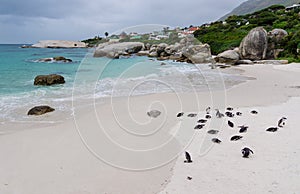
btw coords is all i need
(173, 49)
(228, 57)
(198, 54)
(47, 80)
(143, 53)
(40, 110)
(161, 48)
(275, 38)
(254, 46)
(277, 34)
(116, 50)
(59, 44)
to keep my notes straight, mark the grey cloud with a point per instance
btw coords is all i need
(79, 19)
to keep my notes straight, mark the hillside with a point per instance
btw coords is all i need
(251, 6)
(226, 35)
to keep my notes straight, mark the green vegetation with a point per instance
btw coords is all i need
(226, 35)
(94, 41)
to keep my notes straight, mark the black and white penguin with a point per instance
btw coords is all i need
(254, 112)
(272, 129)
(202, 121)
(243, 129)
(229, 114)
(213, 132)
(216, 140)
(180, 114)
(281, 122)
(199, 126)
(239, 113)
(219, 114)
(229, 109)
(188, 158)
(208, 117)
(192, 115)
(207, 110)
(236, 137)
(246, 152)
(230, 124)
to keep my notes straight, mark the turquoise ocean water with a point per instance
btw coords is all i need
(92, 78)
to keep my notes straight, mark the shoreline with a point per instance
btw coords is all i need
(58, 154)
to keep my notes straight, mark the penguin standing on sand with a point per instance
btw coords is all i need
(246, 152)
(207, 110)
(230, 124)
(180, 114)
(243, 129)
(188, 158)
(281, 122)
(219, 114)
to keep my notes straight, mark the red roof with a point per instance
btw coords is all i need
(193, 28)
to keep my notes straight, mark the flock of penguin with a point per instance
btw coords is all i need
(246, 152)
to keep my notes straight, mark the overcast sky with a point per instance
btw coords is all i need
(28, 21)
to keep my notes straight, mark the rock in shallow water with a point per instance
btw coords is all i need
(40, 110)
(47, 80)
(56, 59)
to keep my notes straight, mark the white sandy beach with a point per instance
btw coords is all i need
(116, 148)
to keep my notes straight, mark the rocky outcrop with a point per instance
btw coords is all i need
(277, 34)
(56, 59)
(198, 53)
(40, 110)
(115, 50)
(228, 57)
(275, 38)
(59, 44)
(187, 50)
(143, 53)
(254, 46)
(47, 80)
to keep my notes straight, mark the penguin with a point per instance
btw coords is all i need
(236, 137)
(208, 117)
(189, 178)
(218, 114)
(188, 158)
(180, 114)
(239, 113)
(243, 129)
(246, 152)
(230, 124)
(192, 115)
(254, 112)
(229, 109)
(216, 140)
(229, 114)
(202, 121)
(213, 132)
(272, 129)
(199, 126)
(281, 122)
(207, 110)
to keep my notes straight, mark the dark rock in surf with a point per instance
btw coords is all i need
(48, 80)
(40, 110)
